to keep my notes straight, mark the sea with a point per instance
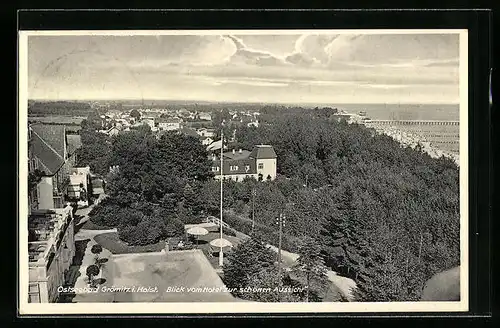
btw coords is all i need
(433, 112)
(443, 137)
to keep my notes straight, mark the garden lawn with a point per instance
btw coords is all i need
(89, 225)
(112, 242)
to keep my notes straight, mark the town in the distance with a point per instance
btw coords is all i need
(165, 201)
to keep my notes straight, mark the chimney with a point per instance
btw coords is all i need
(234, 151)
(240, 151)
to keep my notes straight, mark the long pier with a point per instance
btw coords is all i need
(411, 122)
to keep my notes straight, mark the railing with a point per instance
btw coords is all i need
(216, 221)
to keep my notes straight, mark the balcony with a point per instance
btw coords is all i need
(46, 229)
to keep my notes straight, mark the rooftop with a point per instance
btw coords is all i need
(263, 152)
(74, 142)
(189, 132)
(48, 143)
(237, 155)
(169, 120)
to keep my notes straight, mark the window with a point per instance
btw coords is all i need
(215, 169)
(261, 166)
(233, 168)
(33, 294)
(236, 178)
(247, 168)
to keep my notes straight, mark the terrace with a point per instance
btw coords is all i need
(46, 230)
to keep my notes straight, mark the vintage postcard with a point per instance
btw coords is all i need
(246, 171)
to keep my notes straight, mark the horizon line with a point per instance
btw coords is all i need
(244, 102)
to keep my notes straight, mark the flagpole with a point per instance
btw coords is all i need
(221, 254)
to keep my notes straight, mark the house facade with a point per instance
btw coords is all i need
(51, 248)
(206, 141)
(169, 124)
(53, 154)
(204, 132)
(149, 121)
(260, 164)
(78, 188)
(205, 116)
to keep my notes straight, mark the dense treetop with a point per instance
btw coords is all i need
(384, 215)
(59, 108)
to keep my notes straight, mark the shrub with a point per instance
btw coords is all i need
(230, 232)
(105, 213)
(240, 207)
(148, 231)
(127, 233)
(96, 249)
(173, 227)
(92, 271)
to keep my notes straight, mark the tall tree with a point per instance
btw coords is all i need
(247, 260)
(135, 114)
(311, 266)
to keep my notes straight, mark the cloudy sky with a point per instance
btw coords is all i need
(333, 68)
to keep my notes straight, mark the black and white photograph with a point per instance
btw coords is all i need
(243, 171)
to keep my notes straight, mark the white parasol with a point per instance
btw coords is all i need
(221, 242)
(197, 231)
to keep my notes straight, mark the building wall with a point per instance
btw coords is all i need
(205, 116)
(113, 132)
(169, 126)
(45, 193)
(45, 279)
(205, 133)
(207, 141)
(236, 177)
(269, 168)
(61, 263)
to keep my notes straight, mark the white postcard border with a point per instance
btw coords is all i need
(26, 308)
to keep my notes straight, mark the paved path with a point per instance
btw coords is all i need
(78, 272)
(345, 285)
(84, 234)
(84, 212)
(202, 225)
(82, 281)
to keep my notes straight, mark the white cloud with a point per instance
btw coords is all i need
(308, 66)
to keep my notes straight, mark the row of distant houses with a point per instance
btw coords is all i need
(158, 126)
(114, 122)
